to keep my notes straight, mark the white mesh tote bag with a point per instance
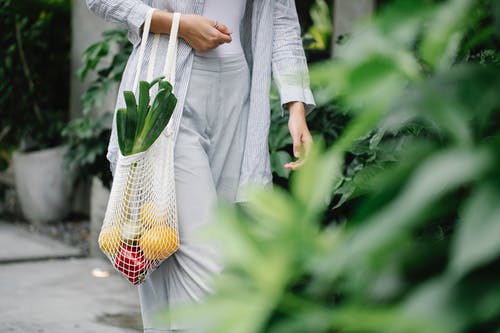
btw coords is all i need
(140, 226)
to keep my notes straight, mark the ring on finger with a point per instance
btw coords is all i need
(216, 24)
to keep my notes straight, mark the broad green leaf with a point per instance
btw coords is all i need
(437, 176)
(454, 306)
(156, 116)
(438, 106)
(401, 20)
(280, 138)
(443, 31)
(164, 113)
(278, 159)
(354, 319)
(143, 105)
(247, 313)
(131, 115)
(315, 180)
(374, 83)
(302, 315)
(273, 207)
(123, 137)
(164, 84)
(477, 239)
(430, 304)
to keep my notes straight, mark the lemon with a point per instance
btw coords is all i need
(109, 239)
(159, 242)
(150, 215)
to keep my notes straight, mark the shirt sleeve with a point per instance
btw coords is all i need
(289, 64)
(130, 13)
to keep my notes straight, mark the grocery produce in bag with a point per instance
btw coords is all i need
(140, 233)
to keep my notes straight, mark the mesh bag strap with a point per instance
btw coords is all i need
(170, 63)
(142, 47)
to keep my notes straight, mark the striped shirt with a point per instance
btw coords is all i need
(271, 39)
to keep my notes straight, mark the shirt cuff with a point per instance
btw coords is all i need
(135, 20)
(297, 94)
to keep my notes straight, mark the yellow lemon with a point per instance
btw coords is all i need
(150, 215)
(159, 242)
(109, 239)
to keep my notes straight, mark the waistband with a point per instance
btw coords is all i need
(220, 64)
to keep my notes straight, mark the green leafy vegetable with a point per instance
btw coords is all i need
(139, 125)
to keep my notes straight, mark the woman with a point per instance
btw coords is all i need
(227, 52)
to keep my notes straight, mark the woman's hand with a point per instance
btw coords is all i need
(302, 139)
(201, 34)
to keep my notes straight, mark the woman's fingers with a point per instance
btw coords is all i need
(223, 38)
(223, 32)
(301, 143)
(293, 165)
(223, 28)
(202, 33)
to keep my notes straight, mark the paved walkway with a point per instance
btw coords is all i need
(40, 292)
(18, 244)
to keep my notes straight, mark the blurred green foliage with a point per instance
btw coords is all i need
(34, 60)
(87, 136)
(114, 44)
(87, 139)
(319, 35)
(406, 239)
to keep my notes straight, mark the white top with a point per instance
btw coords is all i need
(229, 13)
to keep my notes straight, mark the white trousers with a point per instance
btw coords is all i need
(208, 157)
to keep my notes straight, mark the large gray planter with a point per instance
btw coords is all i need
(43, 185)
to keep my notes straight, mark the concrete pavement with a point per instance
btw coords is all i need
(18, 244)
(60, 295)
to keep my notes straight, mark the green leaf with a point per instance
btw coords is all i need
(131, 105)
(313, 183)
(477, 239)
(164, 84)
(430, 304)
(124, 140)
(443, 32)
(143, 107)
(278, 159)
(273, 209)
(156, 121)
(449, 305)
(437, 176)
(156, 108)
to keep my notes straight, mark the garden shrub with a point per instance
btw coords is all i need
(393, 224)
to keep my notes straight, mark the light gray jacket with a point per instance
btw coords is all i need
(272, 43)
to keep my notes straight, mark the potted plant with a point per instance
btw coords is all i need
(35, 48)
(87, 140)
(87, 136)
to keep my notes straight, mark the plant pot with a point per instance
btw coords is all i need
(99, 196)
(43, 185)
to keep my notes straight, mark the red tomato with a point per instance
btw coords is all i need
(130, 261)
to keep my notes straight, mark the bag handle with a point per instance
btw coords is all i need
(171, 60)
